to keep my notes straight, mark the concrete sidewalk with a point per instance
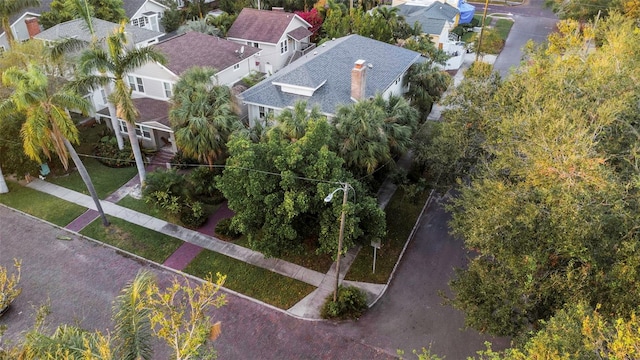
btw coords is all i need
(308, 308)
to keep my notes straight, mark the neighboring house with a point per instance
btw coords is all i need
(152, 84)
(281, 36)
(145, 13)
(19, 24)
(436, 19)
(152, 126)
(340, 72)
(77, 29)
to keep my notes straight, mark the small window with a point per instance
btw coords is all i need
(284, 46)
(168, 89)
(103, 96)
(140, 22)
(236, 67)
(136, 83)
(141, 131)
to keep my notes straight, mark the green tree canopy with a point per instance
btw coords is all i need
(65, 10)
(551, 208)
(277, 185)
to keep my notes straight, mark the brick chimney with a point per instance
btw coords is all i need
(358, 80)
(33, 26)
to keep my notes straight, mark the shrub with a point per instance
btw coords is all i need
(168, 181)
(351, 304)
(193, 215)
(202, 184)
(109, 154)
(226, 231)
(181, 161)
(9, 289)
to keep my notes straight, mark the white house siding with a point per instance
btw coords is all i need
(230, 76)
(153, 76)
(149, 6)
(397, 88)
(19, 30)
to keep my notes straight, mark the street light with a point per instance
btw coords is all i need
(345, 190)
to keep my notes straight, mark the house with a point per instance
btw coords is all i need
(152, 84)
(20, 24)
(145, 13)
(436, 19)
(281, 36)
(152, 126)
(340, 72)
(77, 29)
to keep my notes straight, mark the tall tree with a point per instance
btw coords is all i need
(101, 67)
(48, 127)
(277, 185)
(551, 209)
(202, 115)
(427, 83)
(65, 10)
(8, 8)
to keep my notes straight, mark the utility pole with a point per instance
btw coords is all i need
(484, 17)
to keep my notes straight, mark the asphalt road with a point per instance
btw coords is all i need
(80, 278)
(532, 22)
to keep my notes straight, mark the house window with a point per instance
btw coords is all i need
(264, 112)
(103, 96)
(168, 89)
(284, 47)
(140, 22)
(141, 131)
(135, 83)
(236, 67)
(255, 44)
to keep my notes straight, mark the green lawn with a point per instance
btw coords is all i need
(141, 241)
(402, 215)
(41, 205)
(105, 179)
(250, 280)
(503, 26)
(308, 259)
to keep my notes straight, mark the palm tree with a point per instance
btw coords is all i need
(202, 115)
(362, 140)
(400, 122)
(201, 26)
(112, 66)
(293, 122)
(48, 126)
(427, 83)
(10, 7)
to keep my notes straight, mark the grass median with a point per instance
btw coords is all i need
(402, 214)
(250, 280)
(135, 239)
(41, 205)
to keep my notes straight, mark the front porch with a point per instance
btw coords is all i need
(152, 127)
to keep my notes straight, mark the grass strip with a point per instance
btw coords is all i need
(402, 214)
(253, 281)
(135, 239)
(503, 27)
(41, 205)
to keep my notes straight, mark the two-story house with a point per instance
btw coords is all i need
(340, 72)
(145, 13)
(24, 25)
(281, 36)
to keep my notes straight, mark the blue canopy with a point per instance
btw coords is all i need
(466, 12)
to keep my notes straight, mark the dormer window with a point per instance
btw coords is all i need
(140, 22)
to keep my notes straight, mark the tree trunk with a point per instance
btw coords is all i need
(87, 180)
(114, 118)
(135, 146)
(3, 184)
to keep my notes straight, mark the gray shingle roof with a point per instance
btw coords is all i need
(432, 18)
(45, 5)
(260, 25)
(78, 29)
(333, 64)
(197, 49)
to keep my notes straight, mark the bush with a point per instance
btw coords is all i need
(193, 215)
(226, 231)
(202, 184)
(109, 154)
(351, 304)
(181, 161)
(168, 181)
(9, 289)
